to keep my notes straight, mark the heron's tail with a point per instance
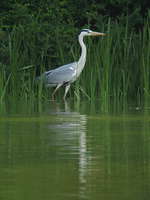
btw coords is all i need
(37, 78)
(43, 77)
(40, 79)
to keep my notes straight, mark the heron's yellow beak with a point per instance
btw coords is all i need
(97, 34)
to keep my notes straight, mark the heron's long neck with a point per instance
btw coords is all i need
(82, 58)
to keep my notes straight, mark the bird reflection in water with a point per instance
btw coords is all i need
(70, 134)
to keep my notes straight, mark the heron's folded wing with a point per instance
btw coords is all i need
(62, 74)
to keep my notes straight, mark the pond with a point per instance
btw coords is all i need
(72, 151)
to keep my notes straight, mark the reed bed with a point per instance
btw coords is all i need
(117, 67)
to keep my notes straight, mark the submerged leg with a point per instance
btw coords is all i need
(66, 90)
(58, 86)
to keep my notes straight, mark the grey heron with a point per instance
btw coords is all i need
(67, 74)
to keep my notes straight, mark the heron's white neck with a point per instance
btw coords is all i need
(82, 58)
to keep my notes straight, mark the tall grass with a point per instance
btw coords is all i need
(17, 79)
(117, 67)
(145, 60)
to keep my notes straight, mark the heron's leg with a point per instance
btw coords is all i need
(66, 90)
(58, 86)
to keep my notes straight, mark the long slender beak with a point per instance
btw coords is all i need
(97, 34)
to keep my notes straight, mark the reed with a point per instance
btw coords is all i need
(117, 68)
(145, 60)
(118, 65)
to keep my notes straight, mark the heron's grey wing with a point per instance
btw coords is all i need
(63, 74)
(43, 76)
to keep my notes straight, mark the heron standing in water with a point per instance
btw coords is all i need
(67, 74)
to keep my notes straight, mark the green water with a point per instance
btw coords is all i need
(54, 151)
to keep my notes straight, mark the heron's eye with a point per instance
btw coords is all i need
(89, 31)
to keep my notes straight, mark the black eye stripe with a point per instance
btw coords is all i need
(85, 30)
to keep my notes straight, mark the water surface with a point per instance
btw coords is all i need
(69, 151)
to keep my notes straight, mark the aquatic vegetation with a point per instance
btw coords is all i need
(117, 68)
(118, 65)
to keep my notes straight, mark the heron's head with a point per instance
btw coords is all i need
(88, 32)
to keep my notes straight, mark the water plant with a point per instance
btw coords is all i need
(117, 67)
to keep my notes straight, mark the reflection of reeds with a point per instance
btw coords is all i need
(117, 66)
